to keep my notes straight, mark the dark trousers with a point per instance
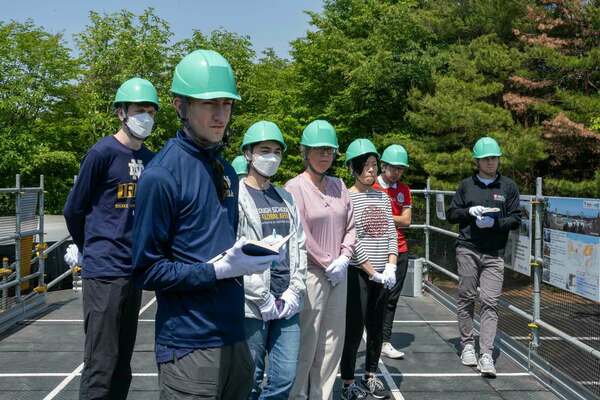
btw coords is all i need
(110, 312)
(365, 308)
(222, 373)
(394, 295)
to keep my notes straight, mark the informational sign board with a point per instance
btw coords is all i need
(440, 208)
(571, 248)
(517, 255)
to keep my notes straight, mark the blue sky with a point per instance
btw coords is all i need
(268, 23)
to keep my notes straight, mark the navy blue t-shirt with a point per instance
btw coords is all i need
(274, 216)
(99, 209)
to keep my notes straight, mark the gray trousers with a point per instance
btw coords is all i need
(222, 373)
(475, 268)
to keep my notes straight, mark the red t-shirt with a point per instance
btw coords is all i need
(399, 194)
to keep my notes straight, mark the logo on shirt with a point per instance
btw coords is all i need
(499, 197)
(374, 222)
(135, 169)
(400, 197)
(276, 214)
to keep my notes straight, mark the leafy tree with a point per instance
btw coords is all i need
(36, 92)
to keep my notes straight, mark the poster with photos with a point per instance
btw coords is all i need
(571, 245)
(517, 254)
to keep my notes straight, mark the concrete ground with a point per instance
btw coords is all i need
(42, 358)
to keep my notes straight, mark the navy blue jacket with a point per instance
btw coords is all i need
(99, 208)
(180, 224)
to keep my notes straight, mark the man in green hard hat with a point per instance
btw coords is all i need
(186, 249)
(274, 298)
(240, 165)
(99, 215)
(486, 207)
(394, 162)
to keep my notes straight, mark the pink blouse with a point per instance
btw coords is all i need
(327, 219)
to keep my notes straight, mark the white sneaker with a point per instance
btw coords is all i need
(387, 350)
(468, 356)
(486, 366)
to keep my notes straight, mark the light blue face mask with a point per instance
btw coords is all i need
(140, 125)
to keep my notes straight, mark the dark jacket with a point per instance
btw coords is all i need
(502, 193)
(180, 224)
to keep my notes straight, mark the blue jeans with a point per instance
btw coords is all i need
(280, 340)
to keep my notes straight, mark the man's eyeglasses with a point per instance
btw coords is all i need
(324, 151)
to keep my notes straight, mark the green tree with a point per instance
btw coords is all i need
(36, 92)
(113, 48)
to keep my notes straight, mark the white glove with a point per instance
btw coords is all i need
(291, 304)
(476, 211)
(72, 256)
(377, 277)
(389, 274)
(336, 272)
(484, 222)
(235, 263)
(269, 309)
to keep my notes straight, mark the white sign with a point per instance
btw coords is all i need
(517, 254)
(440, 208)
(572, 245)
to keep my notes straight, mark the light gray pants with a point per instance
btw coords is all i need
(475, 268)
(322, 331)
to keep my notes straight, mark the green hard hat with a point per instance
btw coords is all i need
(262, 131)
(395, 155)
(136, 90)
(360, 147)
(486, 147)
(240, 164)
(319, 133)
(204, 74)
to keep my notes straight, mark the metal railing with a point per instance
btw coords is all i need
(23, 230)
(29, 209)
(571, 374)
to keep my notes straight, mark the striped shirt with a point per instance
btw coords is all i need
(376, 236)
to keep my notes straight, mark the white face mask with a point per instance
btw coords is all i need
(140, 125)
(266, 164)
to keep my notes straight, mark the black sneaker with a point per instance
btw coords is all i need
(353, 392)
(374, 387)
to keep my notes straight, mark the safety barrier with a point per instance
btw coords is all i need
(22, 273)
(556, 331)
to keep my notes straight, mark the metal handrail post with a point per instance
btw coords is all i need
(41, 242)
(18, 239)
(427, 223)
(4, 280)
(537, 266)
(427, 218)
